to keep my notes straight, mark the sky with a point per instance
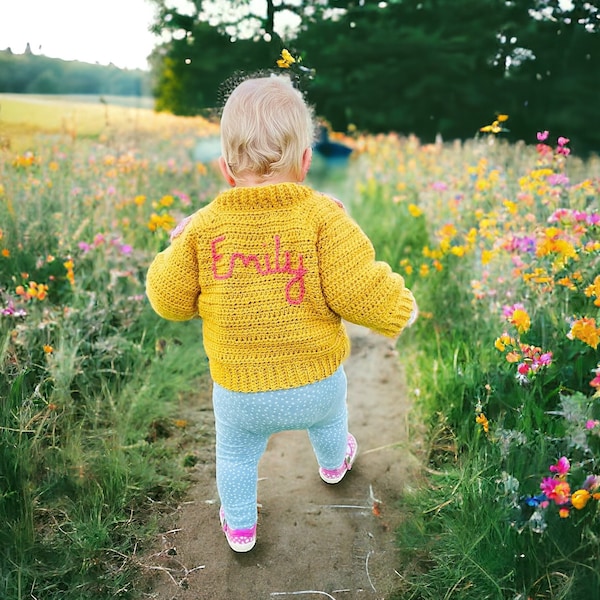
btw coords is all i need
(103, 31)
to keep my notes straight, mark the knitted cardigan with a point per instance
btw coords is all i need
(272, 271)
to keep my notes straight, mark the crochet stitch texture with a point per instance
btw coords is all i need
(272, 270)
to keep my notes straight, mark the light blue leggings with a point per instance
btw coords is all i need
(245, 421)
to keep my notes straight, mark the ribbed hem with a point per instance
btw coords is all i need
(269, 377)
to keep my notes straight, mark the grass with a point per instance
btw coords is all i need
(456, 220)
(97, 391)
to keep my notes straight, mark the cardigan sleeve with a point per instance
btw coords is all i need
(172, 282)
(356, 286)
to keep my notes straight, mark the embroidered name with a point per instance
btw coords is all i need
(269, 264)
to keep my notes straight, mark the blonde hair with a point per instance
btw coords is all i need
(265, 128)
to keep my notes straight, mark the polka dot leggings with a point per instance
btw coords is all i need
(245, 421)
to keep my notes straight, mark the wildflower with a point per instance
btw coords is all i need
(592, 483)
(594, 290)
(68, 265)
(561, 467)
(48, 349)
(11, 311)
(580, 498)
(286, 60)
(591, 423)
(596, 381)
(482, 420)
(542, 136)
(556, 489)
(517, 316)
(166, 222)
(415, 211)
(5, 252)
(585, 330)
(563, 513)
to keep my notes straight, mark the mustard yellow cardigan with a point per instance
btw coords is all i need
(272, 271)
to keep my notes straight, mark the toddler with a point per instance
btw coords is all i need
(272, 267)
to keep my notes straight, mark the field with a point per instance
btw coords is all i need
(501, 245)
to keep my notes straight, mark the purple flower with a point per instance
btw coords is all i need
(558, 179)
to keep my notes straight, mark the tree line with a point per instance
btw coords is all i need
(30, 73)
(426, 67)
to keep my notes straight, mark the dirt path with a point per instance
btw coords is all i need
(314, 540)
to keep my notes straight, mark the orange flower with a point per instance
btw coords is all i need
(585, 330)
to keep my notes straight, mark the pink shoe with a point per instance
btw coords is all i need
(240, 540)
(336, 475)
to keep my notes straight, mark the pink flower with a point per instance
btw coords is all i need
(563, 141)
(591, 423)
(545, 359)
(562, 466)
(542, 136)
(556, 489)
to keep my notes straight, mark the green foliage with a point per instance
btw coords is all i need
(441, 67)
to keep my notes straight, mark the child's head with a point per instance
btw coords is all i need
(266, 131)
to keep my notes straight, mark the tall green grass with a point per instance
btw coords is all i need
(96, 391)
(448, 217)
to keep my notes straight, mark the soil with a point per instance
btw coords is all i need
(315, 540)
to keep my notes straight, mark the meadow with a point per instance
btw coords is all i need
(501, 245)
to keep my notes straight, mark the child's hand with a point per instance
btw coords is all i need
(179, 228)
(414, 315)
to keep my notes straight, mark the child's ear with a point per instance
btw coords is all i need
(306, 161)
(225, 172)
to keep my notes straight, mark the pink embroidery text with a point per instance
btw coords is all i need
(269, 264)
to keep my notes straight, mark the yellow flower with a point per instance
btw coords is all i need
(5, 252)
(48, 349)
(580, 498)
(486, 256)
(502, 118)
(520, 319)
(594, 290)
(585, 330)
(286, 60)
(166, 201)
(414, 210)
